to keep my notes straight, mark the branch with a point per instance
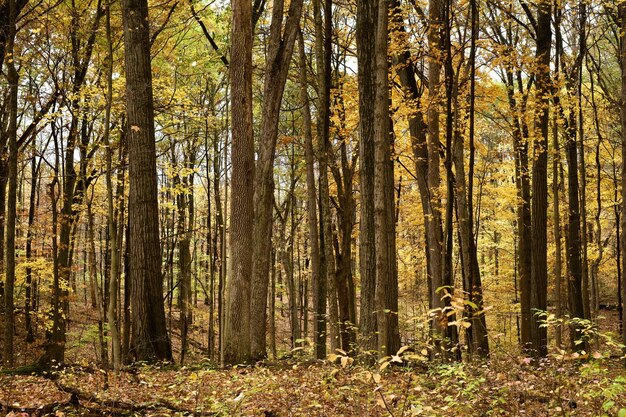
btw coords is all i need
(207, 34)
(160, 29)
(21, 141)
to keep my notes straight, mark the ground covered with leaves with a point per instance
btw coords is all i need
(559, 386)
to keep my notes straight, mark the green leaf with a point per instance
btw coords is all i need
(608, 405)
(621, 412)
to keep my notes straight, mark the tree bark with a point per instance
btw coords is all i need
(236, 340)
(309, 155)
(149, 341)
(367, 19)
(622, 19)
(280, 48)
(11, 210)
(386, 293)
(539, 206)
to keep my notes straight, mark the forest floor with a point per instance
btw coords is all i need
(556, 387)
(508, 384)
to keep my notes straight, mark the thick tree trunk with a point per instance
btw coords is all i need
(386, 293)
(367, 19)
(539, 206)
(236, 340)
(150, 341)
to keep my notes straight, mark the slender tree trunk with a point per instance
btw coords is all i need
(622, 19)
(574, 246)
(32, 206)
(323, 30)
(556, 220)
(280, 49)
(441, 332)
(116, 351)
(11, 210)
(595, 278)
(448, 272)
(316, 275)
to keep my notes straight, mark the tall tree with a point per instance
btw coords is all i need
(150, 341)
(11, 137)
(386, 293)
(113, 325)
(366, 21)
(574, 246)
(539, 207)
(280, 48)
(317, 278)
(477, 332)
(442, 333)
(622, 38)
(236, 340)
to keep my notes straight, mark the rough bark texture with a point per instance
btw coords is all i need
(574, 241)
(434, 232)
(386, 293)
(149, 338)
(11, 133)
(236, 340)
(280, 49)
(367, 19)
(311, 206)
(539, 270)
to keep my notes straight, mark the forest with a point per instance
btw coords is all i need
(313, 208)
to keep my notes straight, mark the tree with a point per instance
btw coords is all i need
(11, 135)
(318, 278)
(539, 207)
(150, 341)
(366, 21)
(622, 50)
(386, 293)
(236, 341)
(280, 48)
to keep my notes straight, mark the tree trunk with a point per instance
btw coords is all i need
(316, 275)
(280, 49)
(150, 341)
(116, 351)
(9, 252)
(236, 340)
(32, 206)
(386, 293)
(539, 269)
(622, 16)
(367, 19)
(434, 232)
(556, 220)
